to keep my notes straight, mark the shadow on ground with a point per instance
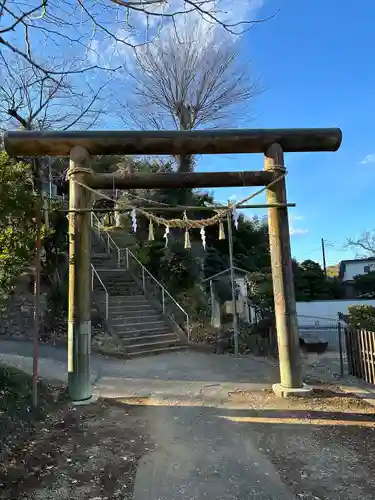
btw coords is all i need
(264, 452)
(320, 448)
(191, 426)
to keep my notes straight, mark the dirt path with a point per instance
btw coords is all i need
(265, 449)
(257, 447)
(198, 455)
(192, 427)
(78, 454)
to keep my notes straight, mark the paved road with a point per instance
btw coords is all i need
(185, 374)
(197, 453)
(204, 446)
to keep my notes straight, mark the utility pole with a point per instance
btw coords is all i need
(232, 281)
(231, 271)
(79, 314)
(324, 259)
(37, 272)
(282, 277)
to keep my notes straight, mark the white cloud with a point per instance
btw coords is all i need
(231, 12)
(295, 231)
(368, 159)
(93, 51)
(140, 28)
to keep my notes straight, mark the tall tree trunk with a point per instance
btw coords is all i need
(185, 164)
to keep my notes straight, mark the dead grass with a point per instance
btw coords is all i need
(64, 452)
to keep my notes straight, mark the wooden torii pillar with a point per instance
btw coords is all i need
(80, 145)
(79, 310)
(291, 382)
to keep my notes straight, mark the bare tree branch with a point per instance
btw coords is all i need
(76, 24)
(20, 19)
(188, 80)
(35, 101)
(210, 14)
(365, 243)
(205, 8)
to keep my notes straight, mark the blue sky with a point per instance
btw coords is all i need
(316, 59)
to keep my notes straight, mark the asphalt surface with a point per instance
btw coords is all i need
(185, 374)
(196, 453)
(200, 455)
(216, 432)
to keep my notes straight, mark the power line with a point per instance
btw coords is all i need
(310, 252)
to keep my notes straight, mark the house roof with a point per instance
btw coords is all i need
(238, 270)
(351, 261)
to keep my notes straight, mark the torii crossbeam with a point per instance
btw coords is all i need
(81, 144)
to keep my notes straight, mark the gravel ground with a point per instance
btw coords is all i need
(248, 445)
(266, 449)
(81, 453)
(323, 448)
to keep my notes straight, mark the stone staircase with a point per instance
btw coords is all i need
(133, 318)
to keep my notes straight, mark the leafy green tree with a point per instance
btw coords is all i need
(260, 290)
(309, 280)
(17, 225)
(250, 247)
(311, 284)
(181, 269)
(364, 284)
(360, 316)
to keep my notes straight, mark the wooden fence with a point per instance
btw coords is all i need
(360, 348)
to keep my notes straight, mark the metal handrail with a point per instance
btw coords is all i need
(164, 291)
(109, 237)
(154, 279)
(95, 272)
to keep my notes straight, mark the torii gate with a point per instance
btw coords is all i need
(80, 145)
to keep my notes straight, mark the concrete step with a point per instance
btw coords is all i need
(119, 319)
(101, 256)
(105, 268)
(131, 310)
(128, 335)
(139, 295)
(128, 304)
(115, 272)
(141, 324)
(132, 298)
(133, 288)
(148, 346)
(149, 339)
(110, 262)
(160, 350)
(122, 301)
(127, 332)
(134, 315)
(117, 277)
(119, 302)
(123, 292)
(125, 285)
